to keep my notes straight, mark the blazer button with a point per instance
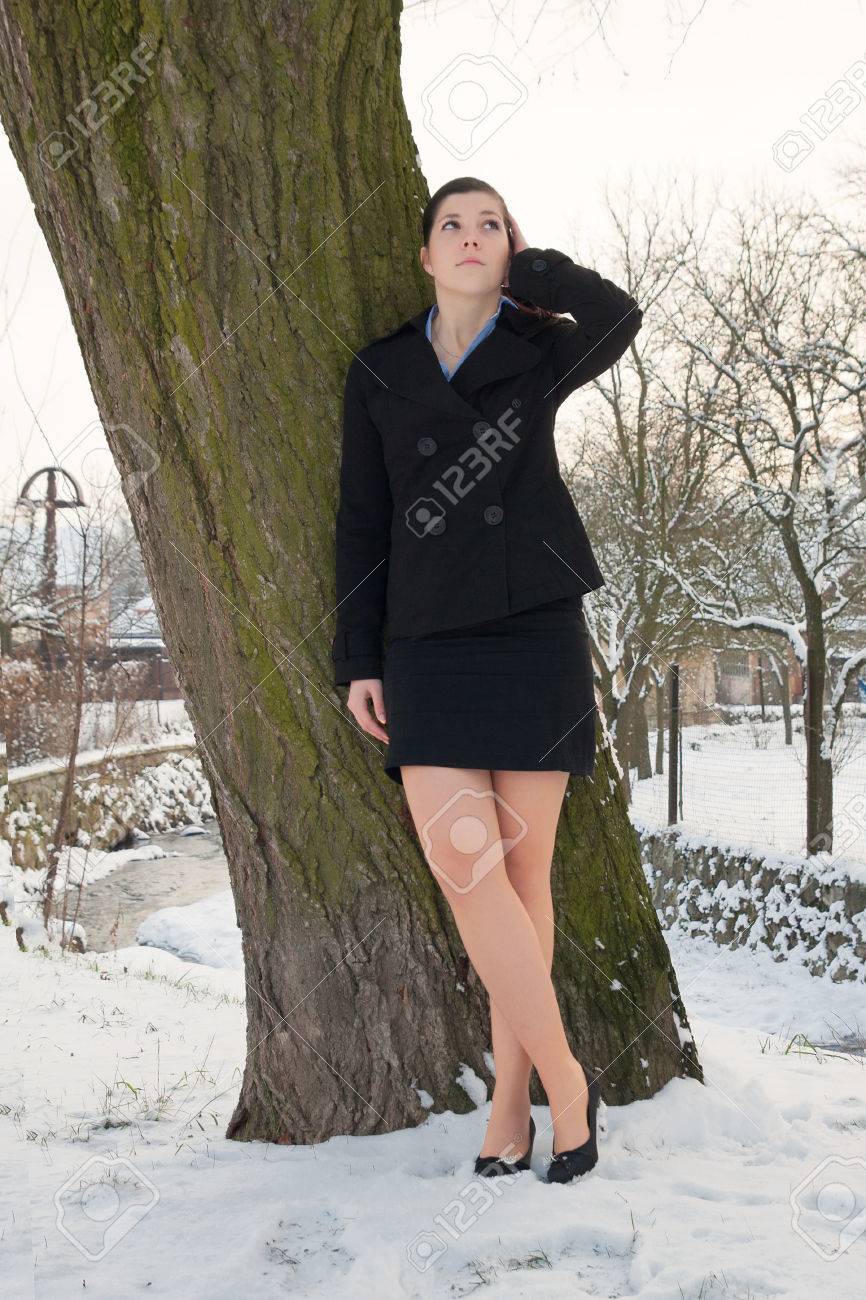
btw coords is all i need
(539, 264)
(427, 446)
(480, 428)
(493, 514)
(437, 527)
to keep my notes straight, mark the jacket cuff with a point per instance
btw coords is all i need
(533, 275)
(357, 653)
(550, 279)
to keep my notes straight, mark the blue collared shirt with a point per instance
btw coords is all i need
(479, 337)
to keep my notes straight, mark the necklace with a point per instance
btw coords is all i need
(448, 350)
(443, 347)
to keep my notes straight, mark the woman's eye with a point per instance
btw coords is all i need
(491, 221)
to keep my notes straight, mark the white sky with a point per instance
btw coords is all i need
(589, 110)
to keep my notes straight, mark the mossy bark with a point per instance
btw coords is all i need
(262, 145)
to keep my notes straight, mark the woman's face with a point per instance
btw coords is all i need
(468, 250)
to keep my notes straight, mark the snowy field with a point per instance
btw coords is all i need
(119, 1074)
(115, 729)
(743, 782)
(122, 722)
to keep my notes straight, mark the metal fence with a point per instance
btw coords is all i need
(736, 772)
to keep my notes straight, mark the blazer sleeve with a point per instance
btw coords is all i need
(606, 318)
(363, 539)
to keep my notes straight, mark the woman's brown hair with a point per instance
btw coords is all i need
(463, 185)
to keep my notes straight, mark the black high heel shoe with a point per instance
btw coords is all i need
(579, 1160)
(492, 1166)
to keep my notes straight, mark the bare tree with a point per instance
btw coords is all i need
(775, 322)
(648, 485)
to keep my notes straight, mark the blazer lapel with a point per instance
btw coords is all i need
(410, 367)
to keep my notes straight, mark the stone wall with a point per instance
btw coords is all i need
(811, 910)
(149, 788)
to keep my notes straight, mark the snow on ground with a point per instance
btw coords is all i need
(742, 781)
(109, 722)
(77, 865)
(84, 866)
(206, 932)
(147, 725)
(120, 1072)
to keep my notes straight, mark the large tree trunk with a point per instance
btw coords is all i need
(261, 144)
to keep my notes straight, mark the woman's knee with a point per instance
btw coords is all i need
(454, 810)
(466, 854)
(529, 875)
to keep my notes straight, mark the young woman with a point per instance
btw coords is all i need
(456, 530)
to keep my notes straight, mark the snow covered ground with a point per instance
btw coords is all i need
(742, 781)
(139, 720)
(119, 1074)
(149, 725)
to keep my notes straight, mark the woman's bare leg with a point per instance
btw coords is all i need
(537, 797)
(468, 830)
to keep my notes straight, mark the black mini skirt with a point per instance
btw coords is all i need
(513, 693)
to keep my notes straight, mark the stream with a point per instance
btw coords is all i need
(112, 908)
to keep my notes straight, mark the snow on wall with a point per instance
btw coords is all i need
(803, 909)
(110, 805)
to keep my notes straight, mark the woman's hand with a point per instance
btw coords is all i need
(519, 243)
(362, 693)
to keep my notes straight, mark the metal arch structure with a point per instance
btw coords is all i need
(56, 502)
(50, 503)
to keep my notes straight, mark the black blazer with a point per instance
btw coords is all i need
(452, 507)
